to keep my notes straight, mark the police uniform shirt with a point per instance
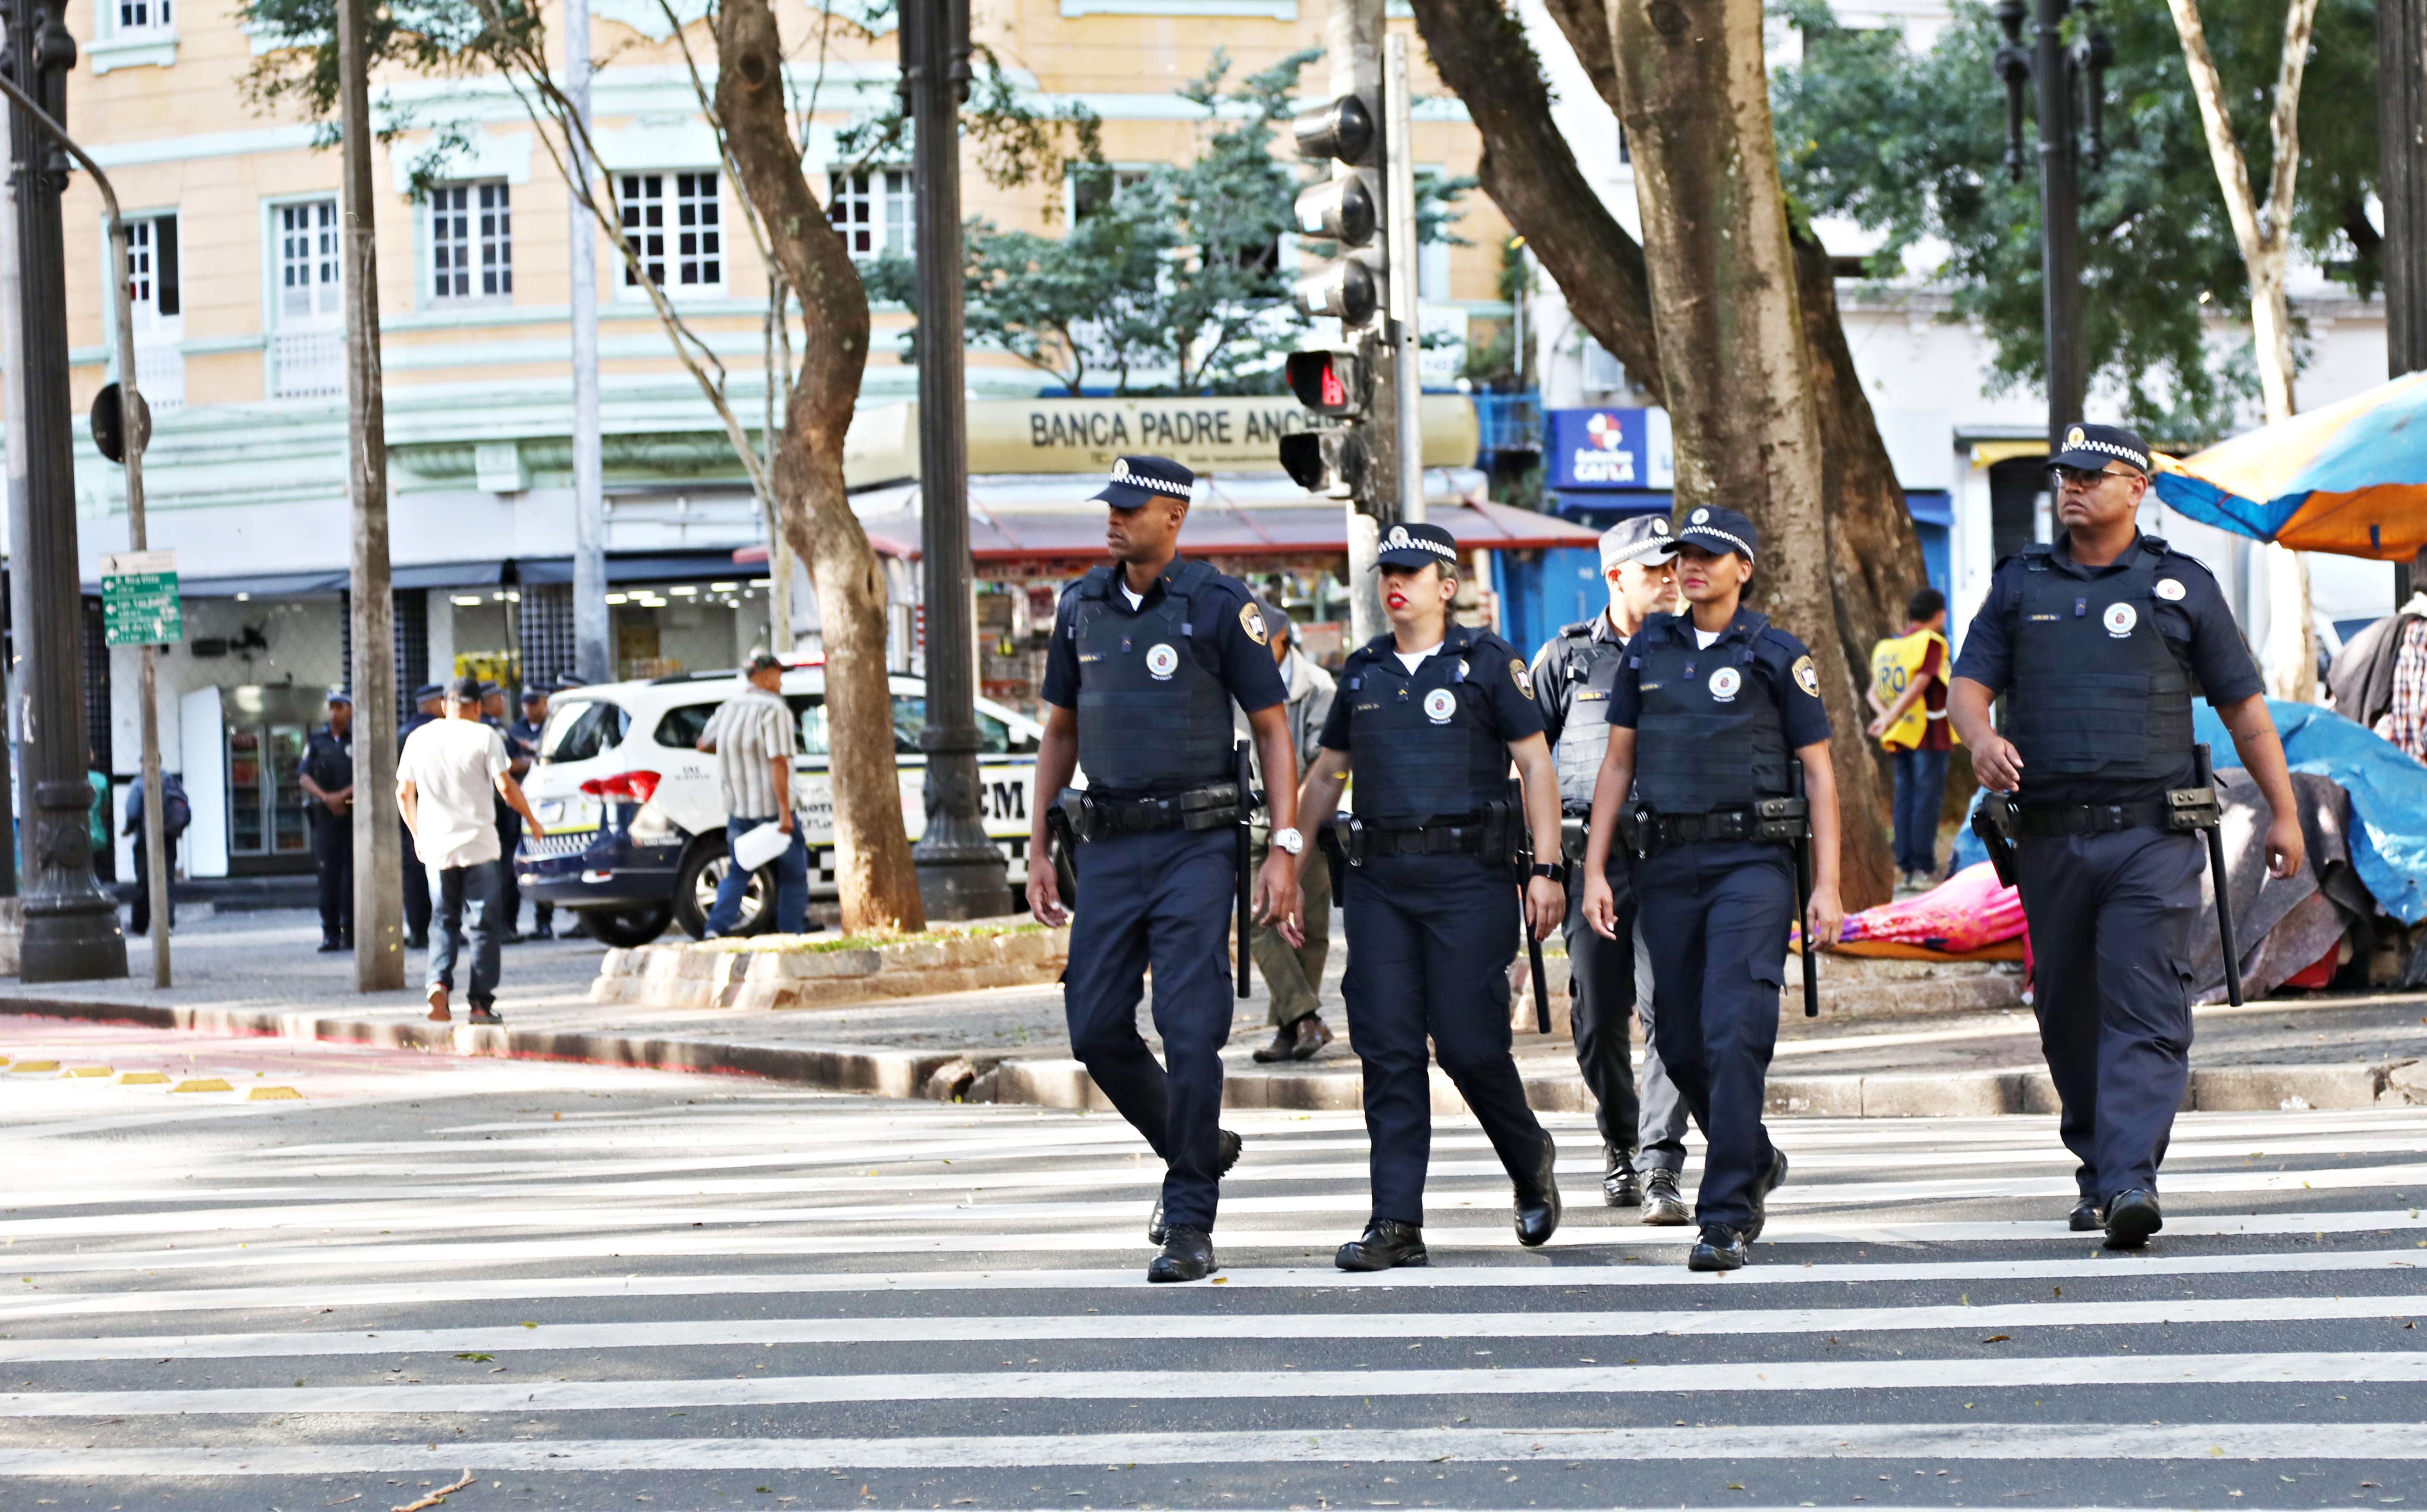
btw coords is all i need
(1781, 662)
(329, 761)
(1493, 668)
(2192, 617)
(1226, 634)
(1566, 690)
(522, 741)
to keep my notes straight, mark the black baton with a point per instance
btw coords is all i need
(1246, 877)
(2204, 776)
(1803, 897)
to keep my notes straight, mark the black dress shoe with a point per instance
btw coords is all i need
(416, 942)
(1284, 1046)
(1232, 1145)
(1619, 1186)
(1187, 1256)
(1663, 1208)
(2086, 1216)
(1720, 1248)
(2131, 1218)
(1386, 1244)
(1771, 1182)
(331, 947)
(1313, 1036)
(1538, 1200)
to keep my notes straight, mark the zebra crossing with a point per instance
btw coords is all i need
(664, 1293)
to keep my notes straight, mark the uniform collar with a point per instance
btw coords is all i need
(1746, 624)
(1162, 580)
(2061, 554)
(1604, 631)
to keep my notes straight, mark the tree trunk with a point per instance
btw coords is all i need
(1874, 555)
(872, 869)
(1694, 91)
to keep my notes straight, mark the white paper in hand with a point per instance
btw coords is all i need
(753, 849)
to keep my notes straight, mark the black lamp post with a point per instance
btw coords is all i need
(71, 932)
(961, 871)
(2071, 84)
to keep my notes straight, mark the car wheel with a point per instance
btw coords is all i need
(703, 870)
(627, 927)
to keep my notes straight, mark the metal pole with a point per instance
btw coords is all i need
(962, 874)
(1400, 235)
(2060, 220)
(2402, 182)
(1353, 36)
(13, 422)
(378, 886)
(593, 658)
(71, 930)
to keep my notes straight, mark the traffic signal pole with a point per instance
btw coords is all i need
(1399, 243)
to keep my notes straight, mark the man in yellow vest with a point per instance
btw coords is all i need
(1908, 694)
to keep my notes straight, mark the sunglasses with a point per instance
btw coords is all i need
(2087, 477)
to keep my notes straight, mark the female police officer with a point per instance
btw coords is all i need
(1704, 716)
(1429, 716)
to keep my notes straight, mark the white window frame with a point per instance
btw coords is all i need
(306, 345)
(142, 18)
(688, 257)
(1125, 175)
(132, 34)
(874, 208)
(481, 240)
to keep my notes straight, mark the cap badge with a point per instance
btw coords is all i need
(2170, 590)
(1162, 661)
(1698, 517)
(1252, 621)
(1120, 467)
(1398, 536)
(1440, 705)
(1659, 528)
(2074, 436)
(1725, 683)
(2119, 620)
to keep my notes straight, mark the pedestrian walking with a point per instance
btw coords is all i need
(1642, 1129)
(451, 773)
(1429, 718)
(1150, 653)
(1707, 716)
(522, 746)
(173, 821)
(753, 737)
(426, 705)
(2097, 640)
(1293, 973)
(1908, 699)
(326, 775)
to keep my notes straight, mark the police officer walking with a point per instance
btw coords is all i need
(1293, 974)
(2098, 639)
(1608, 979)
(1150, 653)
(1429, 718)
(522, 746)
(1707, 714)
(326, 775)
(417, 876)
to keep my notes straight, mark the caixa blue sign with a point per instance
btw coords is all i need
(1610, 448)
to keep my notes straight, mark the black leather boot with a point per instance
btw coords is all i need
(1538, 1200)
(1386, 1244)
(1720, 1248)
(1232, 1145)
(1187, 1256)
(1619, 1186)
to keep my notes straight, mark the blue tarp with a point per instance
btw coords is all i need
(2388, 794)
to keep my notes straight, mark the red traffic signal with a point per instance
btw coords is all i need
(1328, 382)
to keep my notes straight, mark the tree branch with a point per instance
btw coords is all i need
(2224, 148)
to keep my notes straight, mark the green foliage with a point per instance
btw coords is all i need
(1912, 145)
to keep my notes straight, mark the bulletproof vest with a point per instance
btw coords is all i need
(1707, 732)
(2097, 691)
(1588, 665)
(1424, 745)
(1153, 714)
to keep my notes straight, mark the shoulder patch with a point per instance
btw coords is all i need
(1517, 675)
(1251, 620)
(1807, 676)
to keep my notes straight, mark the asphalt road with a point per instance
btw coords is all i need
(588, 1288)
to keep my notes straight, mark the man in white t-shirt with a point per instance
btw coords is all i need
(448, 781)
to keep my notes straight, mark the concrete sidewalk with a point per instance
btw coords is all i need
(1892, 1040)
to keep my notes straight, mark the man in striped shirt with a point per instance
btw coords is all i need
(754, 738)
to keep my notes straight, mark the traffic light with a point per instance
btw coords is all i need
(1337, 389)
(1343, 209)
(1334, 385)
(1330, 461)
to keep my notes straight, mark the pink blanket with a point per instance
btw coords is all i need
(1968, 912)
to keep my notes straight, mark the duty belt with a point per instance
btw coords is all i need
(1779, 820)
(1089, 817)
(1432, 840)
(2181, 810)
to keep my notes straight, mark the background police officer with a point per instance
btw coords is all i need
(1293, 974)
(522, 748)
(1703, 717)
(1609, 978)
(1150, 652)
(326, 775)
(1430, 715)
(426, 700)
(2096, 640)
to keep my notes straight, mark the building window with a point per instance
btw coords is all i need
(143, 15)
(308, 349)
(673, 222)
(1094, 190)
(471, 242)
(872, 210)
(159, 325)
(1602, 372)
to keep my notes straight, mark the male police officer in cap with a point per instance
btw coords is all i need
(2098, 641)
(1150, 652)
(1706, 716)
(426, 702)
(1608, 978)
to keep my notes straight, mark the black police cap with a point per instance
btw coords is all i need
(1137, 480)
(1418, 546)
(2090, 448)
(1721, 530)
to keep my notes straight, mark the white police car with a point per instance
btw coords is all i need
(636, 823)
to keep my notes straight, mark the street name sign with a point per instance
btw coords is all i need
(139, 599)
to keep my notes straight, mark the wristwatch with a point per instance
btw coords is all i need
(1555, 870)
(1290, 840)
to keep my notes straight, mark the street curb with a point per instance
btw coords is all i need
(1337, 1086)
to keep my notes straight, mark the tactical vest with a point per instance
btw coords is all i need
(1424, 745)
(1708, 733)
(2097, 691)
(1588, 667)
(1153, 716)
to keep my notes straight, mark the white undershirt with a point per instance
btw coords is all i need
(1704, 640)
(1135, 599)
(1412, 659)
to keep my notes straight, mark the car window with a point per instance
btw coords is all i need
(681, 727)
(578, 731)
(810, 709)
(910, 719)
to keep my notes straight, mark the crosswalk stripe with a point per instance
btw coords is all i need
(738, 1333)
(2357, 1366)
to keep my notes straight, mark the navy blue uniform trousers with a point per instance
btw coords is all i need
(1715, 918)
(1600, 995)
(1165, 900)
(1430, 938)
(2110, 917)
